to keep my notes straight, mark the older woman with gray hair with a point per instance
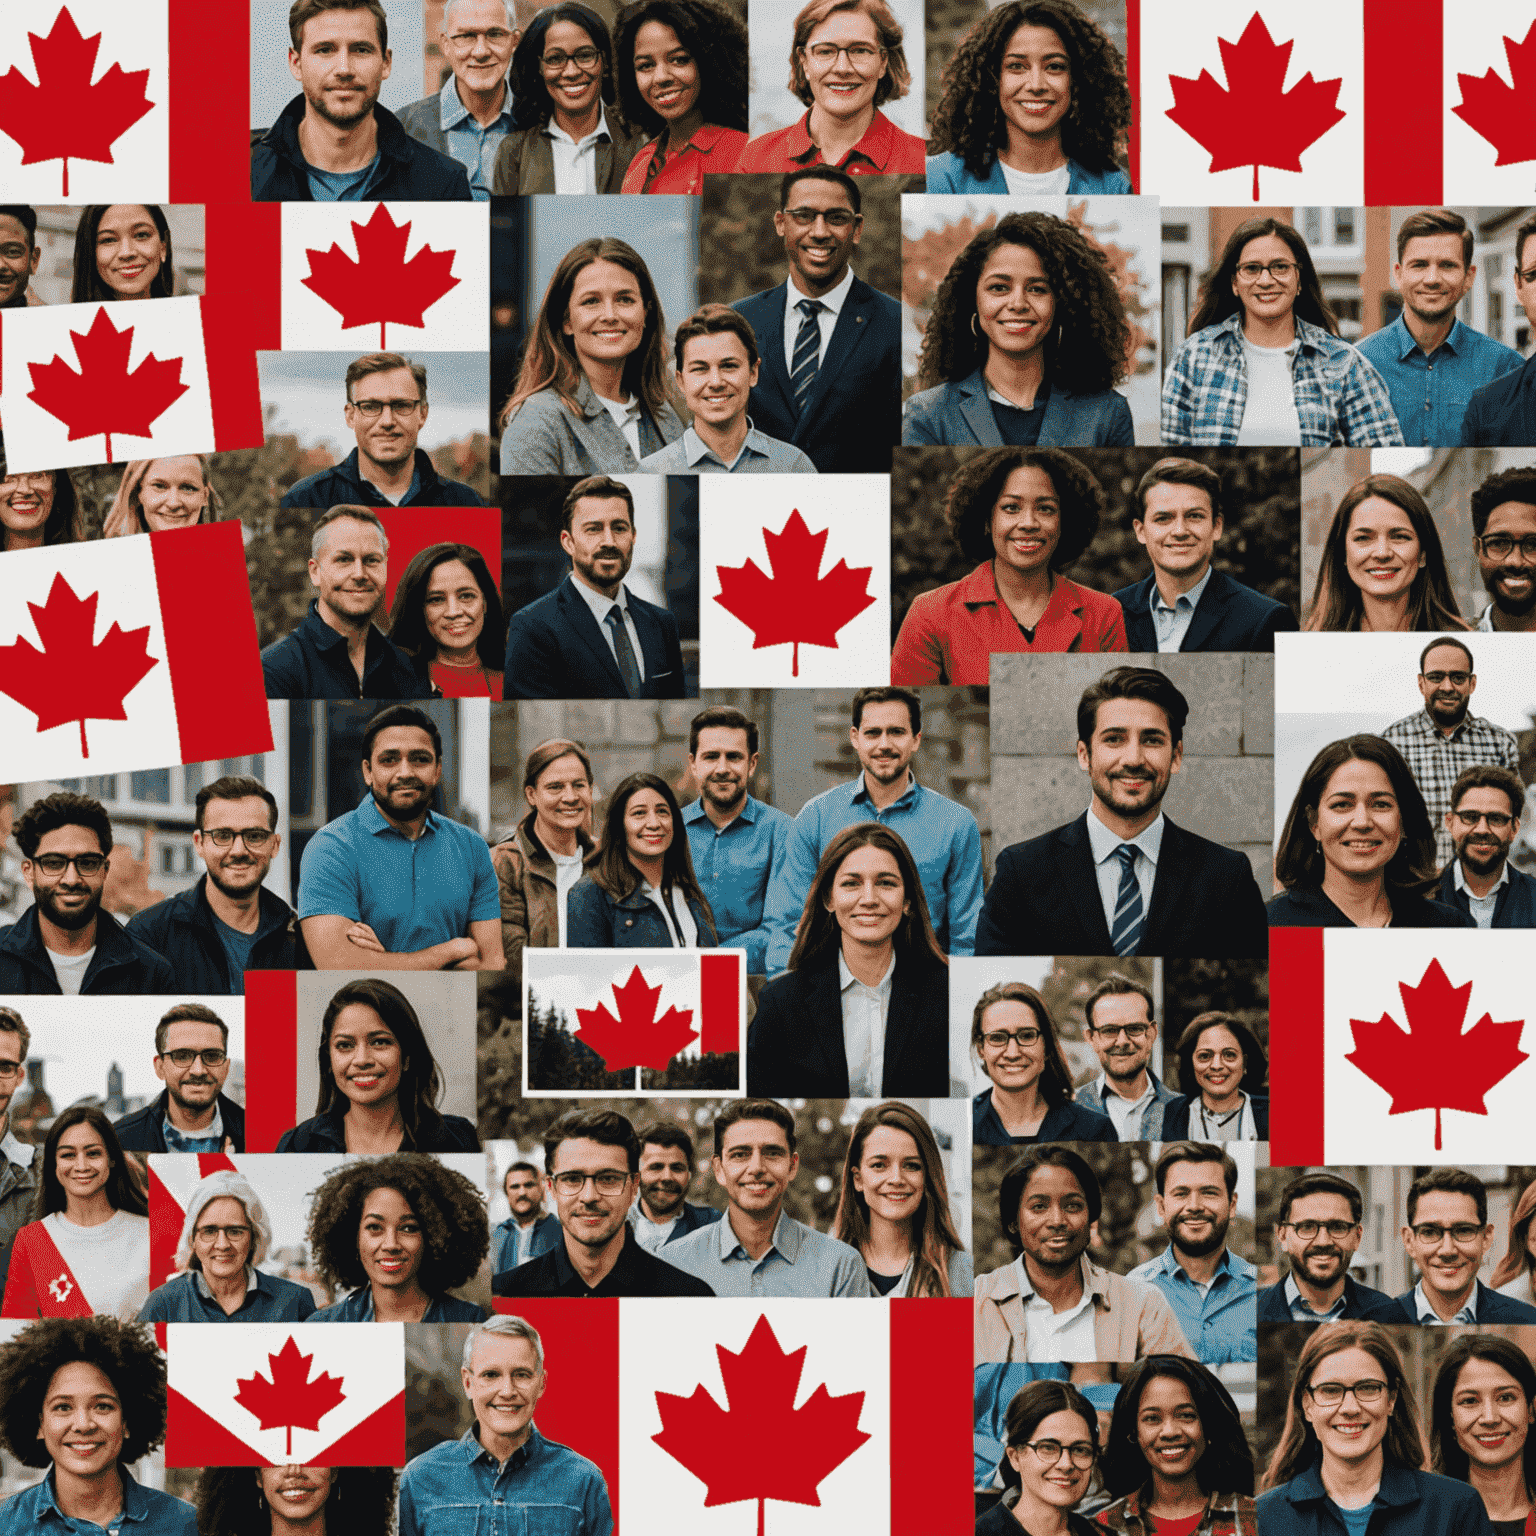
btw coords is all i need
(225, 1236)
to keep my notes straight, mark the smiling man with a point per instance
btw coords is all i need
(663, 1213)
(19, 255)
(501, 1463)
(192, 1114)
(529, 1230)
(1484, 821)
(1317, 1225)
(1123, 1032)
(1504, 540)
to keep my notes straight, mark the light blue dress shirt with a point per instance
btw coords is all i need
(1106, 866)
(1302, 1313)
(734, 864)
(1222, 1325)
(759, 455)
(471, 145)
(1427, 1315)
(800, 1261)
(1172, 624)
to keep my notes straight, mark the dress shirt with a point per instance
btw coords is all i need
(1481, 907)
(651, 1235)
(576, 159)
(1052, 1335)
(865, 1011)
(1106, 864)
(826, 318)
(600, 606)
(1125, 1114)
(1428, 1315)
(734, 864)
(759, 454)
(471, 145)
(15, 1151)
(1220, 1319)
(1301, 1312)
(211, 1140)
(1172, 624)
(800, 1261)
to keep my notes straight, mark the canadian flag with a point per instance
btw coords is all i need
(119, 654)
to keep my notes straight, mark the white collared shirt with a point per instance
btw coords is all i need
(1051, 1335)
(1482, 906)
(15, 1151)
(1106, 863)
(1427, 1315)
(651, 1235)
(1124, 1114)
(600, 606)
(826, 318)
(865, 1010)
(576, 159)
(1172, 624)
(626, 417)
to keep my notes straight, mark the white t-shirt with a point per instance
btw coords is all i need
(675, 914)
(70, 970)
(110, 1262)
(567, 873)
(576, 159)
(651, 1235)
(626, 417)
(1269, 419)
(1042, 184)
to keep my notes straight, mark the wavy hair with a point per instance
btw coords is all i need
(1217, 299)
(1056, 1076)
(975, 487)
(718, 44)
(1445, 1452)
(1035, 1403)
(123, 1190)
(897, 79)
(1225, 1466)
(1518, 1259)
(228, 1501)
(1089, 347)
(1255, 1061)
(224, 1184)
(88, 287)
(408, 613)
(532, 105)
(65, 523)
(126, 514)
(609, 864)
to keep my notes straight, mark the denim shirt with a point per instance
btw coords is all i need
(146, 1512)
(734, 864)
(542, 1489)
(1222, 1325)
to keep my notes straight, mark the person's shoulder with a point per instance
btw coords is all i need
(1044, 843)
(668, 1278)
(307, 1136)
(312, 490)
(444, 1451)
(929, 402)
(766, 151)
(423, 116)
(541, 408)
(867, 293)
(459, 1134)
(757, 305)
(1192, 844)
(570, 1460)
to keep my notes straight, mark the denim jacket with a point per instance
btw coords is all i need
(596, 920)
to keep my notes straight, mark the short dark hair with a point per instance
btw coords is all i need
(401, 715)
(753, 1109)
(1255, 1058)
(25, 216)
(975, 488)
(1435, 221)
(605, 1126)
(660, 1134)
(1116, 985)
(1032, 1404)
(187, 1013)
(1195, 1152)
(235, 786)
(1452, 1181)
(1051, 1154)
(1446, 1453)
(1319, 1184)
(601, 488)
(306, 10)
(721, 717)
(1526, 229)
(1177, 471)
(820, 173)
(1461, 645)
(361, 368)
(11, 1023)
(521, 1166)
(1518, 484)
(1132, 683)
(715, 320)
(62, 808)
(889, 695)
(1488, 776)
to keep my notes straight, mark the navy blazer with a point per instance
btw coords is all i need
(1176, 1117)
(1503, 412)
(1063, 1122)
(852, 415)
(1491, 1308)
(1408, 1503)
(1044, 900)
(960, 416)
(1360, 1302)
(1228, 617)
(555, 650)
(1514, 908)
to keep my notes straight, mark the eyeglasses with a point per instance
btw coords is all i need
(254, 838)
(1329, 1394)
(231, 1235)
(1081, 1452)
(497, 37)
(582, 58)
(213, 1058)
(861, 55)
(57, 863)
(609, 1181)
(1498, 820)
(1463, 1233)
(1307, 1230)
(997, 1039)
(9, 1069)
(836, 218)
(372, 408)
(1135, 1033)
(37, 481)
(1455, 679)
(1498, 545)
(1229, 1056)
(1252, 271)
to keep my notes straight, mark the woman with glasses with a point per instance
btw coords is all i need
(379, 1085)
(845, 61)
(1351, 1455)
(225, 1236)
(1014, 1038)
(447, 616)
(1034, 103)
(1481, 1411)
(1264, 365)
(399, 1232)
(38, 509)
(1226, 1065)
(1025, 341)
(1047, 1467)
(122, 251)
(296, 1501)
(1515, 1273)
(156, 494)
(562, 140)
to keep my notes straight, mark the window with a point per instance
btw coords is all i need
(103, 788)
(153, 785)
(1346, 309)
(1493, 265)
(176, 858)
(1312, 225)
(1175, 234)
(1496, 316)
(1343, 226)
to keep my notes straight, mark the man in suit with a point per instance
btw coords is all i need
(1123, 879)
(1122, 1030)
(1484, 821)
(1186, 604)
(1318, 1228)
(592, 638)
(1503, 412)
(830, 344)
(663, 1213)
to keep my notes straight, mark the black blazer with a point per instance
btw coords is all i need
(1176, 1116)
(1360, 1301)
(795, 1044)
(852, 416)
(1044, 900)
(1491, 1308)
(1300, 907)
(1228, 617)
(555, 650)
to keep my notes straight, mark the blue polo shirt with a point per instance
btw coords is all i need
(734, 864)
(145, 1512)
(186, 1298)
(1222, 1325)
(413, 894)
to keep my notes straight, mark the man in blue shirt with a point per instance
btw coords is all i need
(1432, 362)
(529, 1230)
(394, 885)
(738, 844)
(943, 837)
(1212, 1291)
(501, 1462)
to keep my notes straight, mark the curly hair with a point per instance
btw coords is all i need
(408, 613)
(63, 808)
(1517, 484)
(1218, 298)
(718, 43)
(532, 105)
(975, 488)
(125, 1353)
(65, 523)
(226, 1500)
(1089, 347)
(968, 120)
(450, 1209)
(123, 1190)
(126, 514)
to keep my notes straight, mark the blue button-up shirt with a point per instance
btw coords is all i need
(1430, 391)
(800, 1261)
(1301, 1312)
(1222, 1325)
(759, 455)
(734, 864)
(413, 893)
(471, 145)
(458, 1489)
(145, 1512)
(943, 838)
(185, 1298)
(1172, 624)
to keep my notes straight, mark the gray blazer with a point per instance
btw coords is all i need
(960, 415)
(526, 164)
(545, 437)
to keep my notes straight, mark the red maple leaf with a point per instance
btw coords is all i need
(794, 606)
(290, 1399)
(381, 285)
(72, 678)
(637, 1038)
(1255, 121)
(1502, 113)
(64, 116)
(104, 397)
(1432, 1064)
(792, 1449)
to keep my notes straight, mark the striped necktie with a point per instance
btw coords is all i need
(807, 359)
(624, 652)
(1125, 931)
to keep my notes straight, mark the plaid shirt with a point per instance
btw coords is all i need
(1435, 761)
(1227, 1514)
(1340, 397)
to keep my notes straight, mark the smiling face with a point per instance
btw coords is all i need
(173, 493)
(503, 1382)
(607, 314)
(717, 378)
(722, 767)
(196, 1085)
(1015, 304)
(348, 574)
(884, 741)
(890, 1173)
(1196, 1207)
(1434, 276)
(1034, 85)
(390, 1242)
(481, 63)
(1322, 1259)
(366, 1060)
(1168, 1427)
(600, 541)
(1510, 579)
(388, 439)
(562, 794)
(665, 72)
(868, 897)
(591, 1216)
(1349, 1431)
(340, 66)
(1058, 1484)
(1482, 848)
(573, 87)
(1218, 1063)
(1267, 298)
(1447, 684)
(1382, 555)
(453, 606)
(1054, 1222)
(1014, 1063)
(71, 898)
(237, 869)
(220, 1256)
(25, 502)
(18, 261)
(818, 250)
(403, 772)
(81, 1162)
(664, 1179)
(1358, 823)
(1178, 529)
(647, 825)
(1447, 1262)
(1130, 757)
(82, 1422)
(129, 251)
(1489, 1414)
(844, 86)
(1026, 521)
(296, 1493)
(754, 1167)
(1119, 1055)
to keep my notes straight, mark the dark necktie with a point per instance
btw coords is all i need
(624, 652)
(1125, 931)
(807, 358)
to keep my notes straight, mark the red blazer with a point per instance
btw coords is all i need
(884, 150)
(950, 634)
(710, 149)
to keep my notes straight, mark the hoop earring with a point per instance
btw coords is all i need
(974, 331)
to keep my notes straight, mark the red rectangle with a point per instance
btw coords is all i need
(931, 1452)
(1296, 1047)
(1404, 147)
(245, 262)
(720, 1003)
(210, 105)
(415, 528)
(271, 1059)
(234, 387)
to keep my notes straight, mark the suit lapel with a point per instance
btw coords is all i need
(1059, 422)
(977, 410)
(1168, 887)
(1082, 883)
(1212, 609)
(824, 1006)
(853, 325)
(771, 343)
(580, 618)
(651, 648)
(1140, 633)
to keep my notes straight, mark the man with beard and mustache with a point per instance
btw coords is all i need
(1318, 1227)
(334, 142)
(1485, 821)
(228, 923)
(1123, 1032)
(1444, 737)
(738, 844)
(192, 1115)
(1504, 539)
(64, 943)
(1123, 879)
(395, 885)
(530, 1230)
(1210, 1288)
(663, 1213)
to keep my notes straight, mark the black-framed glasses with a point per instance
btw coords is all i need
(1499, 545)
(861, 55)
(1329, 1394)
(582, 58)
(211, 1234)
(609, 1181)
(1498, 820)
(252, 837)
(1252, 271)
(1307, 1230)
(1135, 1033)
(184, 1058)
(374, 408)
(997, 1039)
(1082, 1453)
(497, 37)
(836, 218)
(1455, 679)
(1463, 1233)
(57, 863)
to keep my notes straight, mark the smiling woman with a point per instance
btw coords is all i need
(39, 509)
(275, 1501)
(447, 615)
(122, 251)
(157, 494)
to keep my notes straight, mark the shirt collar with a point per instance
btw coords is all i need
(1406, 344)
(597, 602)
(1428, 727)
(178, 1140)
(1230, 1264)
(205, 1290)
(1102, 842)
(861, 788)
(1093, 1283)
(1292, 1294)
(135, 1499)
(474, 1451)
(786, 1239)
(875, 147)
(833, 299)
(598, 134)
(1192, 597)
(376, 822)
(1461, 885)
(14, 1150)
(695, 449)
(694, 811)
(846, 978)
(1103, 1091)
(1424, 1313)
(453, 111)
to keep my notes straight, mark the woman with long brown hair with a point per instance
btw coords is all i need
(122, 251)
(38, 509)
(1515, 1273)
(447, 616)
(1482, 1408)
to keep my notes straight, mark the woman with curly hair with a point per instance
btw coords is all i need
(85, 1397)
(379, 1085)
(122, 251)
(1482, 1407)
(1047, 1467)
(1515, 1273)
(562, 139)
(1024, 513)
(88, 1240)
(862, 1010)
(296, 1501)
(894, 1206)
(1358, 850)
(400, 1232)
(845, 61)
(156, 494)
(1176, 1457)
(1383, 568)
(1034, 104)
(594, 393)
(1264, 365)
(1025, 341)
(447, 617)
(38, 509)
(1221, 1060)
(683, 81)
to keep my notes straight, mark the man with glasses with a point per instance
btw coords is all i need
(386, 409)
(1122, 1032)
(192, 1114)
(592, 1158)
(1318, 1228)
(228, 923)
(1504, 539)
(18, 1162)
(1443, 738)
(1503, 413)
(1484, 822)
(472, 113)
(64, 943)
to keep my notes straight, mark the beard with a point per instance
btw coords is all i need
(344, 120)
(1515, 607)
(1198, 1248)
(663, 1200)
(1481, 861)
(73, 921)
(235, 887)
